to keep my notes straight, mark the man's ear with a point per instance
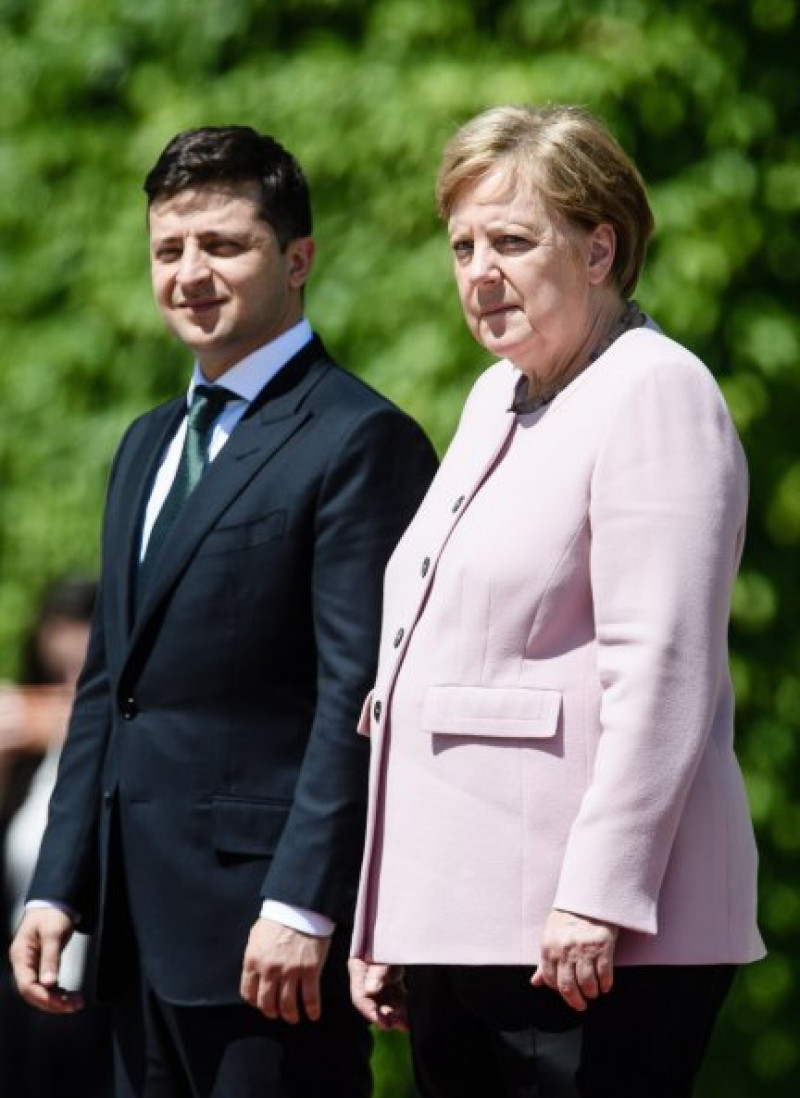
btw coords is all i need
(300, 260)
(602, 249)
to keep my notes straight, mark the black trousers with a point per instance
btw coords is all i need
(484, 1032)
(168, 1051)
(44, 1055)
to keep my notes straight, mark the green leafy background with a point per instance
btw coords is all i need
(704, 93)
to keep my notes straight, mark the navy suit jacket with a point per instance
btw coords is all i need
(212, 747)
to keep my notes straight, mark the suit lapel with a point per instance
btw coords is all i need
(135, 476)
(275, 415)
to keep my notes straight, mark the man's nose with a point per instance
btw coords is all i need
(193, 267)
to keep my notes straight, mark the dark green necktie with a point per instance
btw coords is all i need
(207, 403)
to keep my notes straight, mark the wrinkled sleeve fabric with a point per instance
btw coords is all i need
(667, 506)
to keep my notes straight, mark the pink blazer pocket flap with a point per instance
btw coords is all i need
(363, 726)
(501, 712)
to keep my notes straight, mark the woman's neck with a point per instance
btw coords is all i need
(608, 325)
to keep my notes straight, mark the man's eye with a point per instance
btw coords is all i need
(225, 248)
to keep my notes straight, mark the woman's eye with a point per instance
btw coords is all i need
(462, 248)
(511, 243)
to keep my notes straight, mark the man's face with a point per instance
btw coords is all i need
(220, 279)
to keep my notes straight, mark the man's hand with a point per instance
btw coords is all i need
(577, 957)
(36, 958)
(378, 992)
(282, 969)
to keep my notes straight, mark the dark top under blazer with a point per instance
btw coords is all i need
(215, 717)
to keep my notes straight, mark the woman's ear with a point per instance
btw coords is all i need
(602, 249)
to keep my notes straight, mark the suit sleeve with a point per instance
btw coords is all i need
(371, 490)
(67, 868)
(667, 512)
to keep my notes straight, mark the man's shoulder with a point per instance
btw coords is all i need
(341, 393)
(341, 384)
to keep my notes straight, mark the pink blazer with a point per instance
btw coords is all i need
(552, 721)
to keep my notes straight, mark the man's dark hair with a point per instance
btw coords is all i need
(219, 156)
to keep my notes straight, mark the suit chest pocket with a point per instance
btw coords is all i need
(244, 535)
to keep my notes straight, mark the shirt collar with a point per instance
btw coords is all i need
(248, 377)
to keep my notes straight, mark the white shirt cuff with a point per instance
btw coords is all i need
(298, 918)
(31, 904)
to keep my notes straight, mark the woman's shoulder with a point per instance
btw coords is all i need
(647, 360)
(497, 376)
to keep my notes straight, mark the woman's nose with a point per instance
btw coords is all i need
(483, 267)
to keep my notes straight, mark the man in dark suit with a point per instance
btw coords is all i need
(207, 821)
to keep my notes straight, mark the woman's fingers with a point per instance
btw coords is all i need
(577, 958)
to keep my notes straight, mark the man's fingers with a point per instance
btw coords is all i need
(53, 1001)
(248, 986)
(24, 959)
(36, 958)
(267, 997)
(49, 997)
(50, 961)
(286, 998)
(310, 994)
(281, 972)
(279, 995)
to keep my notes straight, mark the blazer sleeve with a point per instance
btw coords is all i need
(67, 867)
(667, 510)
(371, 490)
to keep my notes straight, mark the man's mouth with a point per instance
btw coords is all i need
(200, 304)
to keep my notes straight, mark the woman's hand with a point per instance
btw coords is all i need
(378, 992)
(577, 957)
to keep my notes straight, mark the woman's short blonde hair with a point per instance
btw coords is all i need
(572, 162)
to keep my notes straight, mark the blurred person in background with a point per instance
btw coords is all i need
(43, 1055)
(209, 811)
(560, 871)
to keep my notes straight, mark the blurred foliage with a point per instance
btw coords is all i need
(704, 93)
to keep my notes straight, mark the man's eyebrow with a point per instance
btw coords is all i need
(206, 234)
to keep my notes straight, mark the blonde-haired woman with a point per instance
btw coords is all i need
(560, 873)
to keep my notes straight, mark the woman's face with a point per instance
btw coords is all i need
(529, 283)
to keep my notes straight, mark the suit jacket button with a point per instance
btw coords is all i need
(377, 709)
(458, 503)
(128, 709)
(398, 637)
(425, 566)
(108, 797)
